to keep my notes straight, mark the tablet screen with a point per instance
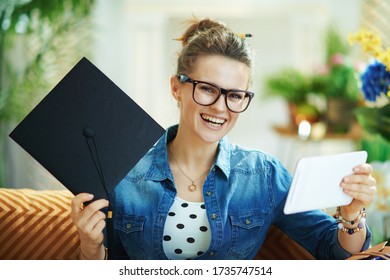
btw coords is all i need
(316, 181)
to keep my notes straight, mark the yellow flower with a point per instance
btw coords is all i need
(371, 43)
(376, 53)
(351, 39)
(385, 58)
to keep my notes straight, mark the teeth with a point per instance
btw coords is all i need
(213, 121)
(214, 124)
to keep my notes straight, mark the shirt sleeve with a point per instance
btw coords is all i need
(316, 231)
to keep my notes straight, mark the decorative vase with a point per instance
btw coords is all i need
(300, 112)
(340, 115)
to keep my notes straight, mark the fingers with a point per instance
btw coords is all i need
(363, 169)
(78, 202)
(360, 178)
(98, 228)
(94, 207)
(365, 195)
(89, 220)
(360, 185)
(356, 180)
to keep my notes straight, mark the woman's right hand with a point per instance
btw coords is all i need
(90, 222)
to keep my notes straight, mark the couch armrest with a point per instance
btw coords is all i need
(37, 225)
(278, 246)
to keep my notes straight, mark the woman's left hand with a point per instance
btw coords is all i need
(361, 187)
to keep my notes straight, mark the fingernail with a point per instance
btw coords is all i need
(343, 185)
(346, 179)
(356, 169)
(91, 195)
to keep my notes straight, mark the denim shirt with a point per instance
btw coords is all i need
(244, 193)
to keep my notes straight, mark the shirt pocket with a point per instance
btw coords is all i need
(246, 232)
(131, 234)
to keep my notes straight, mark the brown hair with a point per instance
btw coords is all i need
(211, 37)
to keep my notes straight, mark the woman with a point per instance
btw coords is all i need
(194, 195)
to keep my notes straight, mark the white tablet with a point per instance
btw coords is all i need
(316, 181)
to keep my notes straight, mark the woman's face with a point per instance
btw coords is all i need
(210, 123)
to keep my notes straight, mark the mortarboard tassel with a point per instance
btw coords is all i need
(89, 134)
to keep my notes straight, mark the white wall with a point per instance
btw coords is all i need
(134, 47)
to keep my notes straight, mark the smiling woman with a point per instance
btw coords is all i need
(195, 195)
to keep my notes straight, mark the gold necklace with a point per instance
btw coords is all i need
(192, 187)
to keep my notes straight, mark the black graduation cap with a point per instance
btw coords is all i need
(87, 132)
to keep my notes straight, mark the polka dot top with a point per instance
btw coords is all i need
(187, 231)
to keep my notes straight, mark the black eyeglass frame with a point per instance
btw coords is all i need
(185, 79)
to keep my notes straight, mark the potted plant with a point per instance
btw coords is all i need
(293, 86)
(337, 82)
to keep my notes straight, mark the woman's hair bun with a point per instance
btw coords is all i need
(211, 37)
(198, 26)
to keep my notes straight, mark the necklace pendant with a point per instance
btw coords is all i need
(192, 187)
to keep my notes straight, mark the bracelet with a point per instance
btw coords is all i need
(362, 215)
(350, 231)
(81, 255)
(360, 219)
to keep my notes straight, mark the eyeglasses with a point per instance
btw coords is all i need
(207, 94)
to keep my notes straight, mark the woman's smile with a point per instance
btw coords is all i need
(214, 122)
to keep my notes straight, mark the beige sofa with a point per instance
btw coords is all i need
(36, 225)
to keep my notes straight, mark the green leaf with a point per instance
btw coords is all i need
(375, 120)
(290, 84)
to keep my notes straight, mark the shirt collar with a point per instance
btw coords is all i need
(160, 170)
(223, 156)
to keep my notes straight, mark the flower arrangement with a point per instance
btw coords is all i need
(336, 82)
(371, 43)
(375, 83)
(375, 117)
(337, 78)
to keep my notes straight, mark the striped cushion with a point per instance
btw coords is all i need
(278, 246)
(36, 225)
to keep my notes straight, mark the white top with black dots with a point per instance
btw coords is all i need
(187, 230)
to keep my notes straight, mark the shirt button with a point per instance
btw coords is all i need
(213, 216)
(214, 169)
(209, 193)
(128, 226)
(212, 253)
(247, 222)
